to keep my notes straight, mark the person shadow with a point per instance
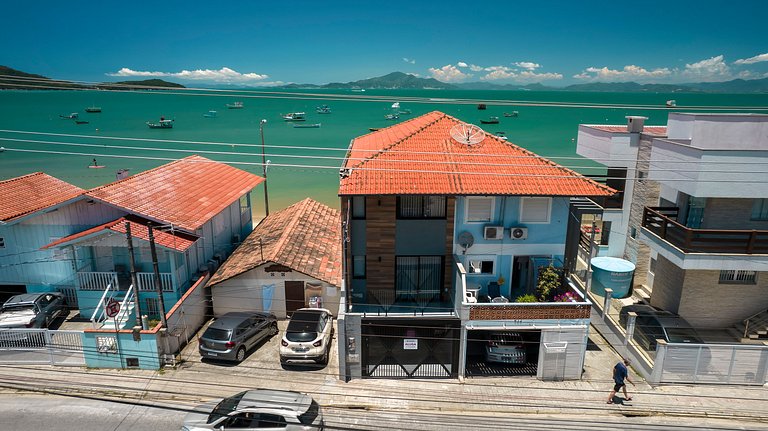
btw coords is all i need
(622, 401)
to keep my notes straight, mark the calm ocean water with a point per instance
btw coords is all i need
(294, 173)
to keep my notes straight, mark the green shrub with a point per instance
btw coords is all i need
(550, 280)
(526, 298)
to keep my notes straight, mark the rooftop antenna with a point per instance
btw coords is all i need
(467, 134)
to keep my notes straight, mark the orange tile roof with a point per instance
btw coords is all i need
(648, 130)
(29, 193)
(305, 237)
(186, 193)
(419, 156)
(178, 241)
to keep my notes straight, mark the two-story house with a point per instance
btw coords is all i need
(446, 229)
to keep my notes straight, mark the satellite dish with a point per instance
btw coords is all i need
(466, 240)
(467, 134)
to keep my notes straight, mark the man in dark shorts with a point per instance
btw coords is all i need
(620, 373)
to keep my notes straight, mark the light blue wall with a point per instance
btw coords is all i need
(145, 350)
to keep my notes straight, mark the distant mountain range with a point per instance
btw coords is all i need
(18, 80)
(14, 79)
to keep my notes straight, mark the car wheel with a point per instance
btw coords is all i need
(240, 355)
(273, 330)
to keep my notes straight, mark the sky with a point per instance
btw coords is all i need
(260, 43)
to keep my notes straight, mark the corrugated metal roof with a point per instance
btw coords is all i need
(420, 157)
(305, 237)
(24, 195)
(186, 193)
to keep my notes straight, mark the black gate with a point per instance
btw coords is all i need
(397, 348)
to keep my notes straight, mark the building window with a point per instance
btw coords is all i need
(419, 274)
(760, 210)
(481, 266)
(358, 266)
(738, 277)
(358, 207)
(535, 210)
(652, 267)
(479, 209)
(2, 242)
(244, 203)
(421, 207)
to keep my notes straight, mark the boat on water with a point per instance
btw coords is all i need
(501, 135)
(71, 116)
(81, 122)
(373, 129)
(391, 117)
(307, 126)
(671, 103)
(481, 106)
(512, 114)
(93, 109)
(210, 114)
(396, 105)
(294, 116)
(162, 124)
(404, 111)
(324, 109)
(235, 105)
(490, 120)
(359, 90)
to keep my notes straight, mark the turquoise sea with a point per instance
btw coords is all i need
(303, 161)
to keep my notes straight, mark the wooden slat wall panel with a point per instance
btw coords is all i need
(381, 213)
(448, 262)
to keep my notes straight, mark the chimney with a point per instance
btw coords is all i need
(635, 123)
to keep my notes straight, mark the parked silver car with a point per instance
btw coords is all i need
(257, 409)
(31, 310)
(230, 336)
(308, 336)
(506, 347)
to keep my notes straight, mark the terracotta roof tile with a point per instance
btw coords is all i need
(186, 193)
(305, 237)
(420, 157)
(179, 241)
(29, 193)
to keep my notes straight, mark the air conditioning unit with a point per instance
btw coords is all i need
(518, 232)
(493, 232)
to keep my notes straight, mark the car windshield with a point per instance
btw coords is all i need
(310, 415)
(682, 335)
(303, 326)
(225, 407)
(217, 334)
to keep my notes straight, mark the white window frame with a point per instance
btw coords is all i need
(480, 258)
(522, 212)
(2, 242)
(477, 198)
(737, 276)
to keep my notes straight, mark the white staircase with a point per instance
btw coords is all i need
(101, 320)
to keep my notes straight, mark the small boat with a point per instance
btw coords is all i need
(396, 105)
(324, 109)
(671, 103)
(481, 106)
(81, 122)
(93, 109)
(95, 165)
(391, 117)
(359, 90)
(512, 114)
(162, 124)
(501, 135)
(490, 120)
(235, 105)
(210, 114)
(373, 129)
(404, 112)
(307, 126)
(71, 116)
(294, 116)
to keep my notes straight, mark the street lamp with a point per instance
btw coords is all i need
(264, 166)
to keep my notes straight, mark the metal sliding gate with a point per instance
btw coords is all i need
(41, 346)
(410, 348)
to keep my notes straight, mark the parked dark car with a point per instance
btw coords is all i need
(652, 324)
(230, 336)
(32, 310)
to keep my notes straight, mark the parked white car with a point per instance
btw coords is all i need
(308, 336)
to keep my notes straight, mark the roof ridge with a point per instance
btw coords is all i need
(148, 171)
(397, 142)
(25, 176)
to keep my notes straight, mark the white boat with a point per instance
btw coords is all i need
(391, 117)
(324, 109)
(71, 116)
(162, 124)
(307, 126)
(396, 105)
(235, 105)
(512, 114)
(210, 114)
(294, 116)
(671, 103)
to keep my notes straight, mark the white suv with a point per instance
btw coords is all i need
(308, 336)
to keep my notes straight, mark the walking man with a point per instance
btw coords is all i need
(620, 373)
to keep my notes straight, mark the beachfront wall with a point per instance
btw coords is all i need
(264, 289)
(543, 222)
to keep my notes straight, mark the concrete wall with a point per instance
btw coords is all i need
(708, 304)
(724, 213)
(720, 131)
(667, 285)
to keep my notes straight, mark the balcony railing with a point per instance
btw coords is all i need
(146, 281)
(661, 221)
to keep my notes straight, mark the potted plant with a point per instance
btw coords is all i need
(549, 282)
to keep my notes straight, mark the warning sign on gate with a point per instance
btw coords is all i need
(112, 307)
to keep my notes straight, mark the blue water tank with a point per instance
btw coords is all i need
(612, 273)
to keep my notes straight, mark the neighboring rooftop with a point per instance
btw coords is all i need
(305, 237)
(186, 193)
(27, 194)
(648, 130)
(419, 156)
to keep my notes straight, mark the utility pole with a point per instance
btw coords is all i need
(264, 166)
(158, 284)
(132, 259)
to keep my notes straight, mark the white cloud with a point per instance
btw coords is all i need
(462, 64)
(223, 75)
(752, 60)
(476, 68)
(498, 73)
(627, 73)
(710, 69)
(538, 77)
(409, 60)
(527, 65)
(449, 73)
